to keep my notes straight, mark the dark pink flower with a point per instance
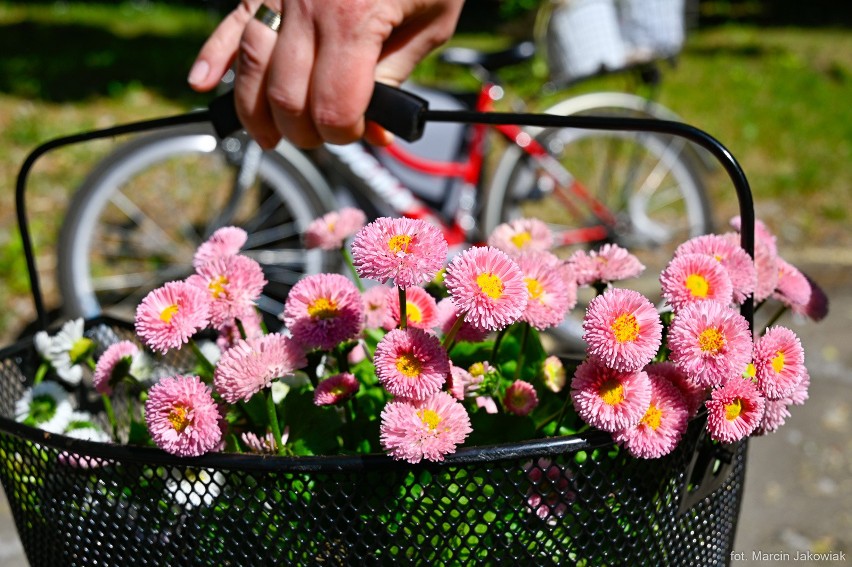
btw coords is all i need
(322, 310)
(168, 316)
(411, 363)
(734, 411)
(610, 399)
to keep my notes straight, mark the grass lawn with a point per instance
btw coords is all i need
(777, 97)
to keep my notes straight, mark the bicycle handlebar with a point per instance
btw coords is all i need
(398, 111)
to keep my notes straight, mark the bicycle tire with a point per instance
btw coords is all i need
(670, 205)
(137, 218)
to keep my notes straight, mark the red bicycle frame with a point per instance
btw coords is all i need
(570, 192)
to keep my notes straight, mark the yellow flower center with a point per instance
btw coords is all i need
(534, 288)
(491, 285)
(429, 418)
(653, 417)
(169, 312)
(413, 313)
(477, 369)
(323, 308)
(408, 365)
(179, 418)
(697, 285)
(734, 409)
(778, 362)
(80, 349)
(750, 371)
(625, 328)
(611, 392)
(399, 243)
(521, 239)
(711, 341)
(217, 286)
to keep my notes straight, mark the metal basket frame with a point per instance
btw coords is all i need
(85, 502)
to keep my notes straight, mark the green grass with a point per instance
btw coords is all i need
(778, 98)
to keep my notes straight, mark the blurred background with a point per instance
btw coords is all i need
(771, 79)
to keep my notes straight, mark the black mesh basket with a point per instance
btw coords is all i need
(569, 500)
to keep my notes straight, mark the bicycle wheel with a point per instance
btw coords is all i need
(638, 190)
(137, 219)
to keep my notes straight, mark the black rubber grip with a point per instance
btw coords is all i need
(396, 110)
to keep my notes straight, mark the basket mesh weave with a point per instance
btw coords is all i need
(542, 502)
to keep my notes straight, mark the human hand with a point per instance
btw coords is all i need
(312, 81)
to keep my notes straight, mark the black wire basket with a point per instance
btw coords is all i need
(564, 500)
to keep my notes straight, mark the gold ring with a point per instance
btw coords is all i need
(268, 17)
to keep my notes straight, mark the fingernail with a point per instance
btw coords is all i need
(198, 72)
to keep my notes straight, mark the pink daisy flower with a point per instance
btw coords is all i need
(762, 234)
(553, 374)
(412, 430)
(376, 301)
(609, 399)
(693, 394)
(800, 394)
(264, 445)
(336, 389)
(421, 309)
(331, 230)
(251, 366)
(550, 492)
(462, 384)
(323, 310)
(168, 316)
(623, 329)
(113, 365)
(224, 242)
(608, 264)
(817, 306)
(520, 398)
(775, 414)
(488, 287)
(233, 283)
(229, 332)
(447, 316)
(182, 416)
(521, 235)
(662, 426)
(710, 342)
(411, 363)
(736, 261)
(766, 266)
(734, 411)
(407, 251)
(691, 278)
(779, 361)
(793, 288)
(550, 292)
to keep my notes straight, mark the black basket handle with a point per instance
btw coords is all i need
(405, 115)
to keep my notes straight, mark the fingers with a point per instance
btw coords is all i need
(256, 46)
(289, 78)
(218, 52)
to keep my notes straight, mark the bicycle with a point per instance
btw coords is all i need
(116, 243)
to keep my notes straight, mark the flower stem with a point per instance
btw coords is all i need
(497, 342)
(41, 372)
(525, 333)
(774, 319)
(272, 415)
(450, 339)
(403, 311)
(202, 360)
(348, 259)
(111, 415)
